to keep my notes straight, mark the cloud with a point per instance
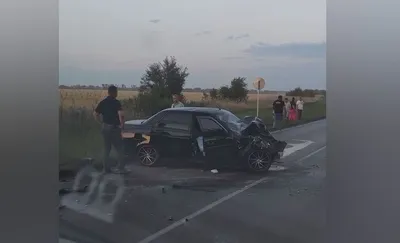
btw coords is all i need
(75, 75)
(238, 37)
(206, 32)
(155, 21)
(302, 50)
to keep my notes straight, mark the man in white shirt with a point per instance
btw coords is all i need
(176, 102)
(299, 106)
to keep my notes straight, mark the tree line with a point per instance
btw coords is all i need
(136, 88)
(305, 92)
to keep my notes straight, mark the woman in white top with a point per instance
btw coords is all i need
(287, 108)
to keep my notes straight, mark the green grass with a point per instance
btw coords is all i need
(80, 137)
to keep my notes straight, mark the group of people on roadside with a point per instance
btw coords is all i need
(287, 110)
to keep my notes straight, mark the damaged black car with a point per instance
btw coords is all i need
(201, 133)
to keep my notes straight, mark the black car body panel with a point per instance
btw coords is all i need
(213, 133)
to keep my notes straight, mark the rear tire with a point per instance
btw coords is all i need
(258, 161)
(148, 155)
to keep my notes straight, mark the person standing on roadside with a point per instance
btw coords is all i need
(299, 106)
(278, 109)
(110, 115)
(287, 108)
(292, 110)
(176, 101)
(293, 103)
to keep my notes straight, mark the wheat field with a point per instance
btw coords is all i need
(90, 98)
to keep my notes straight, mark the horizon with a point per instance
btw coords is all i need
(109, 42)
(194, 89)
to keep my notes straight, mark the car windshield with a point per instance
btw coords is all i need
(153, 117)
(234, 122)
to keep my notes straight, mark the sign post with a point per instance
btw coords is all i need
(259, 84)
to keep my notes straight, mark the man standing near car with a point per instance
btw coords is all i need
(278, 108)
(112, 122)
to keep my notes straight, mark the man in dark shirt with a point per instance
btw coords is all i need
(278, 108)
(112, 121)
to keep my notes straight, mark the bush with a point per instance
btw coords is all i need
(303, 93)
(214, 94)
(236, 92)
(196, 104)
(224, 93)
(147, 104)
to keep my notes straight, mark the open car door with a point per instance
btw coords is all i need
(219, 146)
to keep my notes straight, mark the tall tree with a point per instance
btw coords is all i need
(164, 78)
(238, 89)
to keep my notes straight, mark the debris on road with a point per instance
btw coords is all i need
(215, 171)
(82, 190)
(64, 191)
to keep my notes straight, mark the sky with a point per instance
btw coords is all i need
(114, 41)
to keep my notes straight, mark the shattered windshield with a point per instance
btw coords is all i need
(234, 122)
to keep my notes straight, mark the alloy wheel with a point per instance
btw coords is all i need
(259, 161)
(147, 155)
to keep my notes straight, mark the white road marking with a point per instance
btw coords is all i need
(299, 161)
(300, 140)
(214, 204)
(295, 147)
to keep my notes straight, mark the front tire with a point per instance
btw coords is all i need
(148, 155)
(259, 161)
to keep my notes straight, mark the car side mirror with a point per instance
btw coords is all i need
(159, 124)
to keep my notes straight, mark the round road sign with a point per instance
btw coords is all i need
(259, 83)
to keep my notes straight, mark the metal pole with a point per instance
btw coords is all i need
(258, 100)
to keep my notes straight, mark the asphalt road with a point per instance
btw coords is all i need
(173, 205)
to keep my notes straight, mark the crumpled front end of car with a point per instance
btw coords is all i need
(257, 137)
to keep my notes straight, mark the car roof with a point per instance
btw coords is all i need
(211, 110)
